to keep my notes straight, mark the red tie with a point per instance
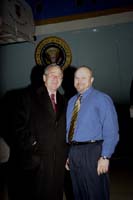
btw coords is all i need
(53, 101)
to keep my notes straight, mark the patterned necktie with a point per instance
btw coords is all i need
(74, 118)
(53, 101)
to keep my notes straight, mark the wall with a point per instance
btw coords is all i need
(107, 49)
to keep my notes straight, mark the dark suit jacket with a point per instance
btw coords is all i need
(37, 140)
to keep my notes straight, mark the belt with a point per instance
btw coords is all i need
(85, 142)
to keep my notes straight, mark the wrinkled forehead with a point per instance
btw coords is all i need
(83, 72)
(54, 70)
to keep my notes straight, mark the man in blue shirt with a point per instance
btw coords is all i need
(94, 139)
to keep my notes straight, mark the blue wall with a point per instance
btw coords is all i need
(108, 50)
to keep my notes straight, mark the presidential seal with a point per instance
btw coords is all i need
(53, 50)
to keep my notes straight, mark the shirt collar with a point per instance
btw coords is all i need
(49, 92)
(86, 92)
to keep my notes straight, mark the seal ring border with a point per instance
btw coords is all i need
(58, 41)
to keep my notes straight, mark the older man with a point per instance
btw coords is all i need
(37, 157)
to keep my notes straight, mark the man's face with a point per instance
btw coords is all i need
(83, 79)
(53, 78)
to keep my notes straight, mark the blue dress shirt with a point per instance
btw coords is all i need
(97, 120)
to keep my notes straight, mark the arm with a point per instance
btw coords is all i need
(23, 138)
(110, 136)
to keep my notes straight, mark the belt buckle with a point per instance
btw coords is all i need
(92, 141)
(74, 142)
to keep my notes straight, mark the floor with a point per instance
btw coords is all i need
(121, 179)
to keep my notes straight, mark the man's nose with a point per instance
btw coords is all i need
(55, 77)
(79, 81)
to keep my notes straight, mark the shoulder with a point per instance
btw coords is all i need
(102, 98)
(72, 99)
(24, 93)
(12, 97)
(101, 94)
(21, 97)
(61, 98)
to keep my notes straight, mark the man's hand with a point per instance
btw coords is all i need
(103, 166)
(67, 164)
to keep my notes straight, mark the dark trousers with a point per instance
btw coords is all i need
(87, 185)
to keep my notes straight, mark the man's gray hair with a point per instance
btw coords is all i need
(51, 65)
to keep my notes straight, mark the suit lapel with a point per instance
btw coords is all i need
(46, 104)
(60, 104)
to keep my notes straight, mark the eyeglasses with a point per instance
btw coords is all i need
(52, 75)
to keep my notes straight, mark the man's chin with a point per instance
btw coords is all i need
(79, 90)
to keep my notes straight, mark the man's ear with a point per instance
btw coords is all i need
(44, 77)
(92, 79)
